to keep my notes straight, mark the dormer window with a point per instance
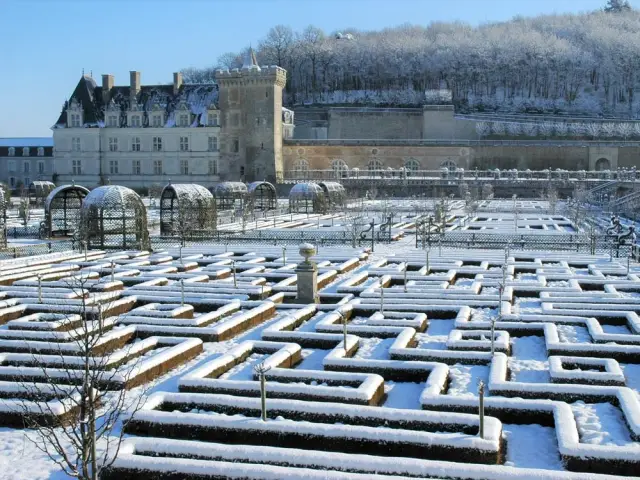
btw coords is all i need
(112, 121)
(135, 121)
(40, 152)
(25, 152)
(156, 121)
(12, 151)
(213, 119)
(183, 120)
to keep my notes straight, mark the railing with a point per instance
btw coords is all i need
(412, 176)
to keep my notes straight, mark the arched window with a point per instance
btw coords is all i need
(450, 164)
(12, 151)
(375, 166)
(339, 167)
(411, 165)
(25, 152)
(301, 166)
(40, 151)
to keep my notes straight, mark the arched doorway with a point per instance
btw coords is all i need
(603, 164)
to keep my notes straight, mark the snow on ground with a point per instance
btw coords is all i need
(602, 424)
(20, 459)
(573, 334)
(532, 446)
(465, 378)
(403, 394)
(374, 348)
(436, 335)
(528, 362)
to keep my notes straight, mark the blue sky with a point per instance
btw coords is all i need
(47, 43)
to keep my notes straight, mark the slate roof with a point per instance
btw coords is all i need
(198, 98)
(32, 142)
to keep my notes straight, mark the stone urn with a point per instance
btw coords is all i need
(307, 251)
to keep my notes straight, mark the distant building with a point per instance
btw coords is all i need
(139, 135)
(23, 160)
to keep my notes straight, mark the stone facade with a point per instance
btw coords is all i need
(24, 160)
(299, 155)
(140, 135)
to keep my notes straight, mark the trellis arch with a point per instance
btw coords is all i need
(187, 209)
(62, 210)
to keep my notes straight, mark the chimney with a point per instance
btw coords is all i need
(135, 85)
(177, 82)
(108, 83)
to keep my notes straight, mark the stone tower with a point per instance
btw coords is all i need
(250, 100)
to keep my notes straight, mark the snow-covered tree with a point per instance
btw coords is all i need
(609, 129)
(624, 129)
(483, 129)
(617, 6)
(530, 129)
(514, 129)
(561, 129)
(546, 129)
(498, 128)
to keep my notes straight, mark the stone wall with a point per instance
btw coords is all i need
(320, 157)
(372, 123)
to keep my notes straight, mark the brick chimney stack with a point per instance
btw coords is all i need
(177, 82)
(135, 85)
(108, 83)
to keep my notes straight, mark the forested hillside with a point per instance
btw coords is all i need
(586, 63)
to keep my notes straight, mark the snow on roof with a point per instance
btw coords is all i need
(26, 142)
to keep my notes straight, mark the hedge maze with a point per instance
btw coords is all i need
(380, 379)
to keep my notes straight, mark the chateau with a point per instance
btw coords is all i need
(237, 129)
(139, 135)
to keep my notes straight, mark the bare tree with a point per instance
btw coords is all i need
(24, 206)
(90, 379)
(551, 196)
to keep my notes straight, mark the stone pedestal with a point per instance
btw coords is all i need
(307, 283)
(307, 273)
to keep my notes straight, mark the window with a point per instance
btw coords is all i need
(76, 167)
(40, 152)
(135, 144)
(213, 119)
(112, 121)
(242, 170)
(26, 167)
(135, 167)
(135, 120)
(257, 121)
(235, 120)
(411, 165)
(12, 165)
(339, 166)
(157, 144)
(184, 167)
(25, 152)
(75, 119)
(75, 144)
(113, 167)
(184, 120)
(27, 181)
(157, 121)
(213, 166)
(374, 165)
(236, 145)
(301, 165)
(12, 151)
(213, 144)
(12, 182)
(157, 167)
(40, 168)
(184, 144)
(113, 144)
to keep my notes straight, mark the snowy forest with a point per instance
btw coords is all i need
(583, 64)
